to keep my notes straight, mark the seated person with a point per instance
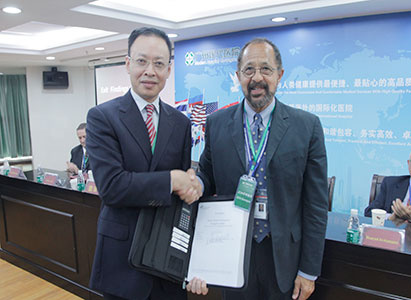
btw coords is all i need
(392, 188)
(79, 157)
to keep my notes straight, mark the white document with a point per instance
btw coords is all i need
(217, 253)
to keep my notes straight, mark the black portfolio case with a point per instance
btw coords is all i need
(151, 250)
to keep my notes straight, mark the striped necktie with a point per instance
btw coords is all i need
(150, 124)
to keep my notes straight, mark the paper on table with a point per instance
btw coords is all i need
(217, 253)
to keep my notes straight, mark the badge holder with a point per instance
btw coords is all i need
(245, 192)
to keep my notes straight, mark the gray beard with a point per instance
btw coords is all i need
(258, 105)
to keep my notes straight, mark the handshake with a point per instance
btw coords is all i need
(186, 185)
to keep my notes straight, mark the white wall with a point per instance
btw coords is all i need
(55, 114)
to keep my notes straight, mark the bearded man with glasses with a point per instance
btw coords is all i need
(282, 150)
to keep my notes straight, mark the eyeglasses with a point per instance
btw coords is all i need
(250, 71)
(158, 65)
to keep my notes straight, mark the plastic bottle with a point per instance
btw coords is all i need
(353, 229)
(90, 175)
(6, 168)
(39, 174)
(80, 181)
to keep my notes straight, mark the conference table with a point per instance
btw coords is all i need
(51, 232)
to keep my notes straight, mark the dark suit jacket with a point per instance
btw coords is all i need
(296, 182)
(129, 177)
(392, 187)
(77, 157)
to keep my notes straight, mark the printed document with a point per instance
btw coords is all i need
(217, 254)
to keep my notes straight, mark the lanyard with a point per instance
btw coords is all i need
(254, 158)
(409, 193)
(85, 160)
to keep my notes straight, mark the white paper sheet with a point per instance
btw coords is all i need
(217, 254)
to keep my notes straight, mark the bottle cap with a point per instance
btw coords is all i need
(354, 212)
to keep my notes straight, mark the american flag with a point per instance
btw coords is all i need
(211, 107)
(198, 114)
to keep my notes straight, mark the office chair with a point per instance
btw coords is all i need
(331, 184)
(375, 186)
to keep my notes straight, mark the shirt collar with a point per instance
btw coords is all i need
(265, 114)
(141, 103)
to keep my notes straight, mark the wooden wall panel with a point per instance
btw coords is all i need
(41, 232)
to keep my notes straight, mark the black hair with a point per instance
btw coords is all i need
(148, 31)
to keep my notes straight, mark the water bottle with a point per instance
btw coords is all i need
(90, 175)
(353, 229)
(39, 174)
(80, 181)
(6, 168)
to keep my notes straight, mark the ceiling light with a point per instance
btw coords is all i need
(278, 19)
(11, 10)
(172, 35)
(99, 48)
(50, 58)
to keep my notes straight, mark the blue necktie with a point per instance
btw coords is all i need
(261, 227)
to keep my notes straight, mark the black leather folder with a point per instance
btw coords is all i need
(163, 240)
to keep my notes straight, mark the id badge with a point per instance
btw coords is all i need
(245, 192)
(261, 207)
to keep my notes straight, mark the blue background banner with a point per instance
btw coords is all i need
(353, 73)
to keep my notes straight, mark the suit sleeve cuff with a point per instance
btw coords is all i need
(307, 276)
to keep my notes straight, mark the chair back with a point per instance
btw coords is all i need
(331, 183)
(375, 186)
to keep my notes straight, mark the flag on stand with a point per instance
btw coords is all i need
(211, 107)
(198, 115)
(181, 105)
(195, 100)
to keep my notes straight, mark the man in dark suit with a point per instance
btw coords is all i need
(138, 146)
(392, 188)
(79, 157)
(290, 171)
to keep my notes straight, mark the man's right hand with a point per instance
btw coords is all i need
(186, 185)
(72, 168)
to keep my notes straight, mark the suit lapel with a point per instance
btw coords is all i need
(164, 132)
(235, 127)
(133, 121)
(279, 126)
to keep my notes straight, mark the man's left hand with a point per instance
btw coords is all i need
(303, 288)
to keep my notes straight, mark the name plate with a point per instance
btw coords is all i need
(16, 172)
(50, 178)
(383, 237)
(91, 188)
